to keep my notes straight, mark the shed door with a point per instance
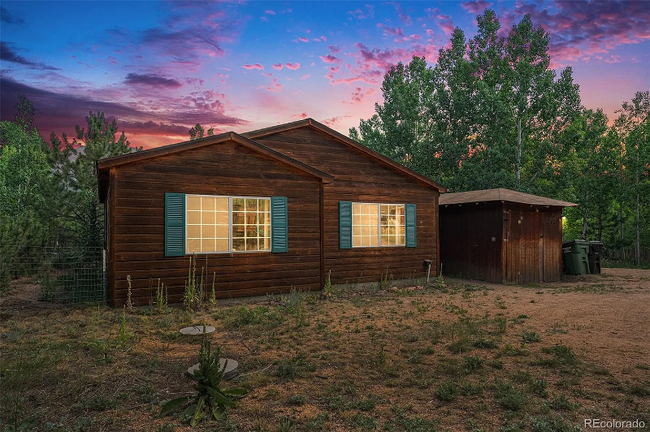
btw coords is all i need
(551, 247)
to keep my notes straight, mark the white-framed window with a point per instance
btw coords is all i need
(376, 225)
(224, 224)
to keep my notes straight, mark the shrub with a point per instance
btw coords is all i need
(448, 391)
(211, 400)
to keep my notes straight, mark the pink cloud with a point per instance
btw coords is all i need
(613, 59)
(269, 12)
(475, 6)
(369, 12)
(253, 66)
(415, 37)
(582, 29)
(305, 76)
(277, 66)
(301, 39)
(358, 94)
(334, 49)
(329, 58)
(302, 115)
(293, 66)
(395, 31)
(334, 120)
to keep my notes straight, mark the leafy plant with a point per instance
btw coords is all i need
(161, 298)
(327, 288)
(129, 303)
(531, 336)
(210, 400)
(213, 295)
(123, 336)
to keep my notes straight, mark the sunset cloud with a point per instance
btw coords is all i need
(277, 66)
(293, 66)
(329, 58)
(477, 6)
(151, 80)
(253, 66)
(9, 55)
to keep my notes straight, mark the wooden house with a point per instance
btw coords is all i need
(500, 235)
(268, 210)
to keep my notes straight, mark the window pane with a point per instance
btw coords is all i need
(238, 244)
(237, 218)
(222, 245)
(251, 218)
(238, 231)
(237, 204)
(207, 217)
(265, 244)
(222, 231)
(221, 218)
(193, 231)
(207, 232)
(264, 205)
(222, 204)
(193, 217)
(251, 204)
(251, 231)
(373, 241)
(207, 203)
(207, 245)
(193, 202)
(251, 244)
(193, 246)
(264, 231)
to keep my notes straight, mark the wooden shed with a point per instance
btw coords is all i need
(500, 235)
(268, 210)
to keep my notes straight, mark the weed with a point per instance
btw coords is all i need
(485, 344)
(460, 346)
(296, 400)
(160, 301)
(316, 423)
(364, 422)
(211, 400)
(327, 287)
(213, 293)
(470, 389)
(472, 363)
(639, 390)
(512, 351)
(562, 355)
(510, 398)
(293, 367)
(284, 424)
(561, 403)
(123, 336)
(551, 424)
(129, 304)
(447, 391)
(531, 336)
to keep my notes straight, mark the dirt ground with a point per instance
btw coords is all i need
(368, 358)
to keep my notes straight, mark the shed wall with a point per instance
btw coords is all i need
(360, 178)
(527, 246)
(137, 200)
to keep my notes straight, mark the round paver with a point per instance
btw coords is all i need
(197, 330)
(229, 373)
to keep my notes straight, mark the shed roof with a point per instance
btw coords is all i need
(508, 195)
(309, 122)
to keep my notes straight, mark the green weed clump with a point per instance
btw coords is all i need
(210, 400)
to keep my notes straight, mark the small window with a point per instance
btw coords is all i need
(378, 225)
(227, 224)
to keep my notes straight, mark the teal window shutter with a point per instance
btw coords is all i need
(279, 226)
(345, 225)
(174, 224)
(411, 238)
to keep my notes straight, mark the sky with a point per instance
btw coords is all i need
(160, 67)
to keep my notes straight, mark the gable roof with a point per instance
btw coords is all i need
(508, 195)
(309, 122)
(103, 165)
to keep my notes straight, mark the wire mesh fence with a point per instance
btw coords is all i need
(55, 274)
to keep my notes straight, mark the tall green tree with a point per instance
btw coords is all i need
(73, 162)
(633, 129)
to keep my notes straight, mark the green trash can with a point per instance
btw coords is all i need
(575, 255)
(595, 252)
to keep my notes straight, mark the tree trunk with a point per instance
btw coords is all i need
(620, 216)
(518, 153)
(638, 233)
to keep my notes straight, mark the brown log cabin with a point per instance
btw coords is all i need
(266, 211)
(500, 235)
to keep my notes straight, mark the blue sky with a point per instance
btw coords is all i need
(161, 67)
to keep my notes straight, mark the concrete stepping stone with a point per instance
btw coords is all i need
(197, 330)
(229, 373)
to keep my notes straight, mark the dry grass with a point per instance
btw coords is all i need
(471, 356)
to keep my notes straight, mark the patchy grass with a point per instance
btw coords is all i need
(374, 359)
